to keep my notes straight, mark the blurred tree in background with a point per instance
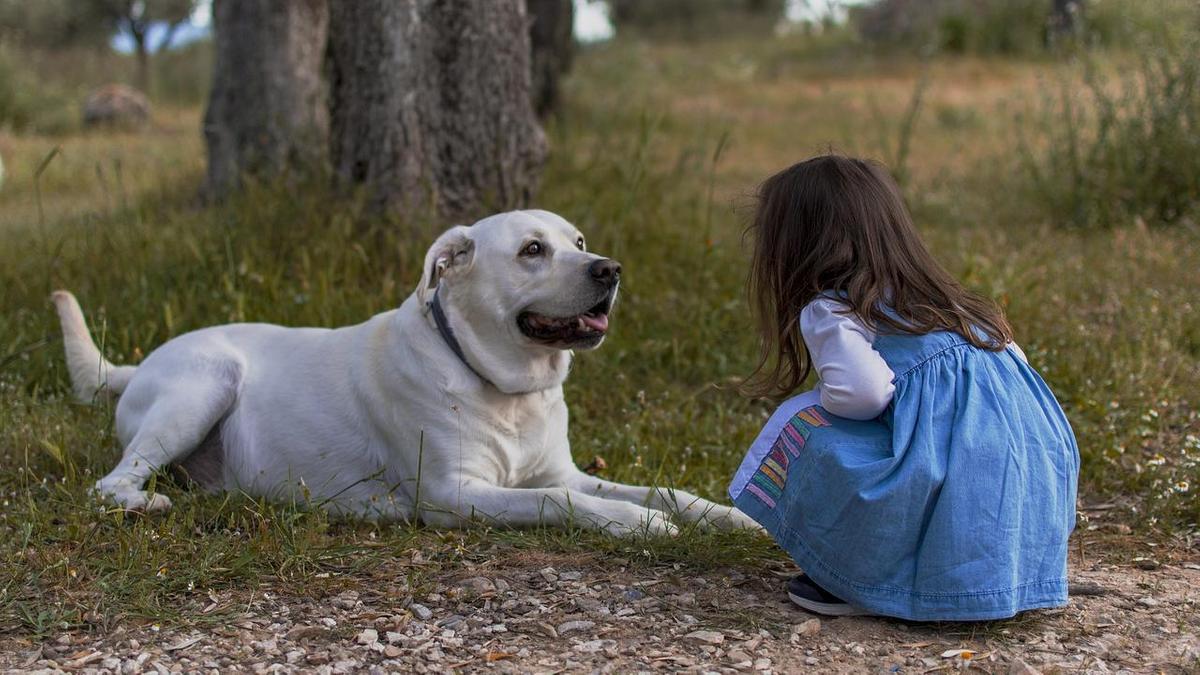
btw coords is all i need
(135, 18)
(430, 104)
(267, 110)
(695, 19)
(418, 104)
(552, 41)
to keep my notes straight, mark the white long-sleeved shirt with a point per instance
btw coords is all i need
(855, 381)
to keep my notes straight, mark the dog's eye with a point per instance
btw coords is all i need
(532, 248)
(579, 243)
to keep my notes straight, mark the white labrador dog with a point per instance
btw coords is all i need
(447, 409)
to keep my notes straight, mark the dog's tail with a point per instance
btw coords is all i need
(91, 373)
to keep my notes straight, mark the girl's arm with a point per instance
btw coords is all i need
(855, 380)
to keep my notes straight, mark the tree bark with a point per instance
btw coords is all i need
(431, 104)
(552, 42)
(267, 113)
(143, 64)
(1063, 17)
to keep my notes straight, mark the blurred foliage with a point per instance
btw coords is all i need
(32, 102)
(53, 23)
(1126, 147)
(1018, 27)
(28, 103)
(695, 19)
(57, 24)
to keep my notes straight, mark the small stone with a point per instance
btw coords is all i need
(367, 637)
(477, 585)
(452, 621)
(593, 646)
(633, 594)
(739, 659)
(1148, 602)
(569, 576)
(501, 585)
(712, 637)
(345, 600)
(1020, 667)
(268, 646)
(420, 611)
(588, 604)
(116, 105)
(549, 574)
(568, 626)
(808, 628)
(392, 651)
(392, 637)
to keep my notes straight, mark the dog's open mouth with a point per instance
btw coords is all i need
(567, 331)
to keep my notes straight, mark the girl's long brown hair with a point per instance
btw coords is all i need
(839, 224)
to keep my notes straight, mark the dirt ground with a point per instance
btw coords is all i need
(520, 611)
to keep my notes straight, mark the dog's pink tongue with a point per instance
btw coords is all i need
(598, 322)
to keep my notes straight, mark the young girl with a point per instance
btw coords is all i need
(931, 474)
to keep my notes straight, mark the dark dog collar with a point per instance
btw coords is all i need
(443, 327)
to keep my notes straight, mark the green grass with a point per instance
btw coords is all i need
(1129, 148)
(652, 158)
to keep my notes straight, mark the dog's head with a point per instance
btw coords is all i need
(520, 291)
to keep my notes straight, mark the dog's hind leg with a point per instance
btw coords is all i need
(178, 415)
(684, 505)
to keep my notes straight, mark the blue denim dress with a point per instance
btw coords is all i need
(954, 505)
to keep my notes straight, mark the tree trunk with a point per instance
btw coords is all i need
(1063, 17)
(267, 112)
(552, 38)
(143, 64)
(431, 104)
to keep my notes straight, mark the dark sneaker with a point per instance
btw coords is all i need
(808, 595)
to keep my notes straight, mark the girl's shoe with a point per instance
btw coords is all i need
(808, 595)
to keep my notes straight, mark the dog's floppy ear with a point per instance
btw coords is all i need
(452, 253)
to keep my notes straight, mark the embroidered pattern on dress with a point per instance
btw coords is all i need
(768, 482)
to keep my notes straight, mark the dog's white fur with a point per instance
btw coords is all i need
(382, 419)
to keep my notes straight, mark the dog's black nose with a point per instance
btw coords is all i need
(606, 271)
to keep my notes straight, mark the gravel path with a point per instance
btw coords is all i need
(529, 612)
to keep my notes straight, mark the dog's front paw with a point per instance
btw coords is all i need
(728, 518)
(131, 499)
(658, 523)
(640, 522)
